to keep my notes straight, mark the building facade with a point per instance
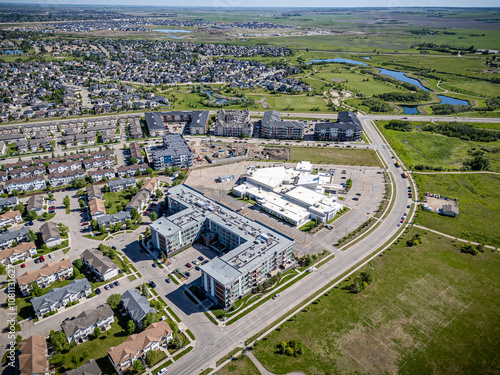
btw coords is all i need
(347, 128)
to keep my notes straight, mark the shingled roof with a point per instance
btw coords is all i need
(33, 359)
(86, 319)
(48, 269)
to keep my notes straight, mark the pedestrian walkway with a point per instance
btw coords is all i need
(453, 237)
(262, 369)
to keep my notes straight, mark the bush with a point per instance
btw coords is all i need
(469, 249)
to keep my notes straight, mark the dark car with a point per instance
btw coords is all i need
(168, 280)
(106, 287)
(154, 265)
(116, 283)
(97, 291)
(200, 258)
(111, 286)
(113, 247)
(188, 274)
(152, 284)
(205, 261)
(197, 268)
(409, 206)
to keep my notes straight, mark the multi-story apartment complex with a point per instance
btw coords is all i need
(175, 153)
(45, 276)
(196, 121)
(233, 123)
(273, 127)
(347, 128)
(249, 252)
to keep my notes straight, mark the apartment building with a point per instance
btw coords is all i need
(22, 251)
(78, 329)
(175, 153)
(249, 252)
(273, 127)
(45, 276)
(347, 128)
(33, 357)
(25, 184)
(233, 123)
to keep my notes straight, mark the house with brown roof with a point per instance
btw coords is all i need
(151, 185)
(156, 336)
(20, 252)
(97, 208)
(33, 359)
(10, 218)
(45, 276)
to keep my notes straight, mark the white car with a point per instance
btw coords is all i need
(162, 371)
(51, 256)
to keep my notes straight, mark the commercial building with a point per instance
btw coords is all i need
(347, 128)
(175, 153)
(60, 297)
(233, 123)
(154, 337)
(250, 252)
(78, 329)
(273, 127)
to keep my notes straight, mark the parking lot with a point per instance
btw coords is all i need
(190, 255)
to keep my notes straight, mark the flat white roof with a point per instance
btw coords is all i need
(305, 195)
(270, 177)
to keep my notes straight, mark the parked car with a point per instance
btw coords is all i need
(23, 265)
(37, 260)
(162, 371)
(195, 262)
(111, 286)
(152, 284)
(42, 259)
(201, 259)
(116, 283)
(106, 287)
(197, 268)
(168, 281)
(205, 261)
(51, 256)
(189, 265)
(188, 274)
(154, 265)
(97, 291)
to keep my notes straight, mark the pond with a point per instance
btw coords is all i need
(12, 52)
(410, 110)
(366, 57)
(401, 76)
(173, 31)
(448, 100)
(340, 60)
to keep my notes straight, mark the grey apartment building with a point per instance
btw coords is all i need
(233, 123)
(175, 153)
(249, 251)
(273, 127)
(347, 128)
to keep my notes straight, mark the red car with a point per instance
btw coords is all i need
(23, 265)
(402, 221)
(84, 224)
(189, 265)
(42, 259)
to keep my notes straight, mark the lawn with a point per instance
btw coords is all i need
(116, 200)
(436, 150)
(430, 309)
(337, 156)
(239, 366)
(478, 201)
(298, 103)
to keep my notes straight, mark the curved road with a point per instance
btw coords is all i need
(214, 342)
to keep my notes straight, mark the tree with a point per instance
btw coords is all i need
(36, 291)
(168, 171)
(153, 216)
(76, 272)
(75, 359)
(130, 327)
(118, 226)
(128, 223)
(133, 160)
(20, 207)
(176, 342)
(174, 326)
(159, 194)
(114, 301)
(32, 215)
(78, 263)
(147, 232)
(31, 236)
(81, 203)
(138, 367)
(85, 354)
(102, 229)
(357, 285)
(150, 357)
(63, 229)
(106, 189)
(58, 341)
(66, 201)
(149, 170)
(144, 290)
(15, 192)
(134, 214)
(93, 224)
(97, 332)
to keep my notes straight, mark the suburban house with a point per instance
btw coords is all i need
(121, 184)
(100, 174)
(45, 276)
(97, 208)
(88, 368)
(21, 252)
(102, 266)
(94, 191)
(60, 297)
(152, 338)
(33, 357)
(65, 178)
(151, 185)
(138, 201)
(131, 170)
(78, 329)
(10, 218)
(36, 203)
(136, 152)
(50, 234)
(136, 306)
(10, 202)
(113, 219)
(26, 184)
(3, 148)
(11, 236)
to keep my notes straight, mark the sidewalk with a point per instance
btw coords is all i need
(453, 237)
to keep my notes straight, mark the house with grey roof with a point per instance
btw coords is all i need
(136, 306)
(449, 210)
(10, 202)
(36, 203)
(11, 236)
(50, 234)
(113, 219)
(88, 368)
(102, 266)
(78, 329)
(60, 297)
(121, 184)
(94, 191)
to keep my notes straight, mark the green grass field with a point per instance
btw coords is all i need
(478, 201)
(116, 199)
(430, 310)
(240, 366)
(330, 155)
(436, 150)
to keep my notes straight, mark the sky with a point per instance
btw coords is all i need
(272, 3)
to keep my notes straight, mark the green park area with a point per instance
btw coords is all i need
(420, 313)
(437, 151)
(478, 202)
(239, 366)
(116, 201)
